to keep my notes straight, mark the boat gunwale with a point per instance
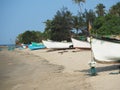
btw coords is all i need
(112, 40)
(79, 40)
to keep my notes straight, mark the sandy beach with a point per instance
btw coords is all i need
(54, 70)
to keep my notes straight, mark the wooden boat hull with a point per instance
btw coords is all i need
(105, 51)
(80, 44)
(56, 45)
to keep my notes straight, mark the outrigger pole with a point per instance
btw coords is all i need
(92, 62)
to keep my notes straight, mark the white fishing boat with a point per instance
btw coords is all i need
(105, 51)
(56, 45)
(80, 44)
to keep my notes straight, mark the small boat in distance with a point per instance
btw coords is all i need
(80, 44)
(106, 51)
(56, 45)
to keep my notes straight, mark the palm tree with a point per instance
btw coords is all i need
(89, 16)
(78, 22)
(79, 2)
(115, 9)
(100, 10)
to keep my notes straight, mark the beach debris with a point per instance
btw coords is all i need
(63, 51)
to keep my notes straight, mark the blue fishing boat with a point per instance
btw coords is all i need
(36, 46)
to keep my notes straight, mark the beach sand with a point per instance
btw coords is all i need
(54, 70)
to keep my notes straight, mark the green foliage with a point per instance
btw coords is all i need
(78, 23)
(108, 25)
(100, 10)
(115, 9)
(29, 36)
(48, 28)
(59, 28)
(89, 17)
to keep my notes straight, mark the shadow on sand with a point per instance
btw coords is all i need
(103, 69)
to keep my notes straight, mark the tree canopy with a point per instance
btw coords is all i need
(100, 10)
(115, 9)
(108, 24)
(61, 26)
(29, 36)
